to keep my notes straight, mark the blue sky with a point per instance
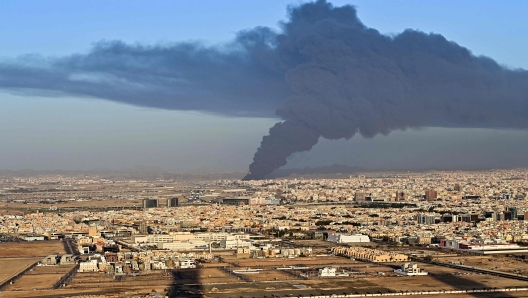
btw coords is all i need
(491, 28)
(78, 133)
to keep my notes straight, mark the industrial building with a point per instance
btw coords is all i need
(485, 247)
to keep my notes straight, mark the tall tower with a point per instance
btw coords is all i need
(431, 194)
(360, 197)
(150, 203)
(173, 202)
(284, 186)
(143, 227)
(400, 196)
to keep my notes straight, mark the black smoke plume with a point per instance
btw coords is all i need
(325, 74)
(351, 79)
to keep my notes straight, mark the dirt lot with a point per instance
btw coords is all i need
(204, 276)
(39, 278)
(215, 282)
(500, 263)
(21, 207)
(284, 262)
(31, 249)
(294, 288)
(445, 278)
(270, 275)
(11, 266)
(102, 283)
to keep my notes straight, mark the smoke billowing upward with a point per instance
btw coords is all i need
(355, 80)
(325, 74)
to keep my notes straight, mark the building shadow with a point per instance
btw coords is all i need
(461, 282)
(189, 283)
(186, 283)
(70, 247)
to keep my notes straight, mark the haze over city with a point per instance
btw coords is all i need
(47, 127)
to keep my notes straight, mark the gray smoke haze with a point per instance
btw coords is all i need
(325, 74)
(242, 78)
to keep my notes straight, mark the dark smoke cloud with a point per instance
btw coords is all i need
(355, 80)
(325, 74)
(243, 78)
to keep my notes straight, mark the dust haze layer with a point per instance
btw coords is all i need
(325, 74)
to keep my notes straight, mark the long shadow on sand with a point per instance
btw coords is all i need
(186, 283)
(459, 282)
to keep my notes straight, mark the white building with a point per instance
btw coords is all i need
(182, 245)
(235, 243)
(327, 272)
(155, 238)
(186, 264)
(186, 236)
(88, 266)
(217, 237)
(410, 269)
(346, 238)
(34, 238)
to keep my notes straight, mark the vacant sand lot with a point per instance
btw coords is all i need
(12, 266)
(39, 278)
(31, 249)
(284, 262)
(442, 278)
(215, 275)
(499, 263)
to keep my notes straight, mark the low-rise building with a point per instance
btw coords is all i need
(327, 272)
(346, 238)
(88, 266)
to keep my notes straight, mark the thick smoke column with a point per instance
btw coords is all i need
(325, 74)
(355, 80)
(285, 139)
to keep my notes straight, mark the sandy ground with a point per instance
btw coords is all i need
(11, 266)
(31, 249)
(214, 282)
(39, 278)
(284, 262)
(446, 279)
(80, 204)
(500, 263)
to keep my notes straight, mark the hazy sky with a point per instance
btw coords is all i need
(77, 133)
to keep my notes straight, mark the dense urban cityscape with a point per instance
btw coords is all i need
(226, 238)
